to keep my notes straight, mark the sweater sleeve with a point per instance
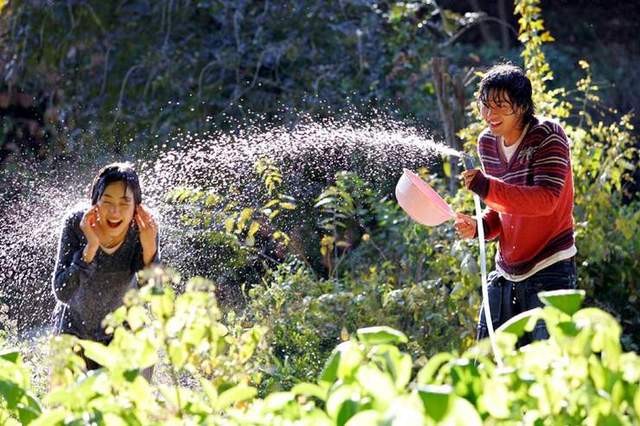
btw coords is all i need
(550, 165)
(491, 224)
(70, 270)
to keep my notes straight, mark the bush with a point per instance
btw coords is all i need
(580, 375)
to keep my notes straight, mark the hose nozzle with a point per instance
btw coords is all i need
(468, 161)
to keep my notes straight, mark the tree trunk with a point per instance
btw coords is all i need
(450, 106)
(504, 30)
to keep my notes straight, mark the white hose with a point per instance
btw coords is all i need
(483, 279)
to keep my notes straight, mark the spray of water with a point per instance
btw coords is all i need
(34, 204)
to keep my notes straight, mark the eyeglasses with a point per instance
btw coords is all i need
(498, 108)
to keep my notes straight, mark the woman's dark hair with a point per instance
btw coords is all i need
(116, 172)
(510, 80)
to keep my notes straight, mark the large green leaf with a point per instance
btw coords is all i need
(518, 324)
(342, 362)
(235, 394)
(436, 400)
(427, 374)
(380, 335)
(377, 383)
(366, 417)
(568, 301)
(310, 389)
(11, 355)
(11, 393)
(100, 353)
(51, 417)
(342, 402)
(330, 371)
(462, 413)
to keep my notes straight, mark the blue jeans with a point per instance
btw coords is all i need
(509, 298)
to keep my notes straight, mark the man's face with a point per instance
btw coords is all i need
(502, 117)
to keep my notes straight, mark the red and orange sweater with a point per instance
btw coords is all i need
(529, 199)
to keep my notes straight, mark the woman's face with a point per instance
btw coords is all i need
(116, 207)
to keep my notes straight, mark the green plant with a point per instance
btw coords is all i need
(579, 376)
(210, 366)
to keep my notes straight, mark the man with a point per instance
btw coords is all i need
(527, 185)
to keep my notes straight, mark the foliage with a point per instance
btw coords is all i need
(17, 402)
(210, 365)
(383, 265)
(239, 240)
(580, 375)
(207, 63)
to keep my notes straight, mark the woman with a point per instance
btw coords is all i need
(100, 251)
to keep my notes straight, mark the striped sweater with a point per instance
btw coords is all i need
(529, 198)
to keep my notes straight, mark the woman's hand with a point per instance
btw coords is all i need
(465, 226)
(148, 233)
(88, 225)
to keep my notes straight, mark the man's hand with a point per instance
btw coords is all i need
(468, 175)
(465, 226)
(148, 233)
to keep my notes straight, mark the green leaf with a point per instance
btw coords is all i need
(347, 410)
(350, 359)
(462, 412)
(393, 361)
(210, 391)
(342, 362)
(235, 394)
(50, 417)
(366, 417)
(427, 374)
(178, 354)
(229, 224)
(330, 371)
(277, 400)
(288, 206)
(100, 353)
(253, 228)
(11, 355)
(380, 335)
(310, 389)
(517, 324)
(11, 392)
(446, 168)
(136, 317)
(436, 400)
(323, 201)
(567, 301)
(341, 404)
(377, 383)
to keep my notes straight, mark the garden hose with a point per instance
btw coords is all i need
(468, 165)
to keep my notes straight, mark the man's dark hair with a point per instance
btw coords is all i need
(510, 80)
(116, 172)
